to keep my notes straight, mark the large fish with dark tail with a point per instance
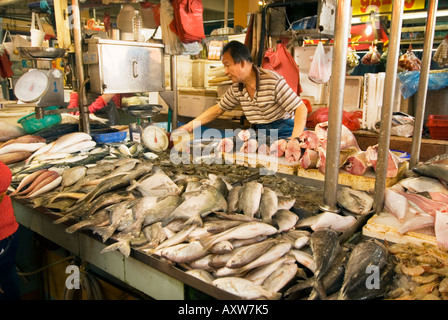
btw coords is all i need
(332, 280)
(436, 167)
(325, 246)
(367, 258)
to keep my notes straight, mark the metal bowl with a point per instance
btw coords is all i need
(44, 53)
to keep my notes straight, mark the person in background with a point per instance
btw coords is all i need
(103, 106)
(266, 99)
(9, 279)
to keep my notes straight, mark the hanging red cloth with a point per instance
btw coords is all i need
(283, 63)
(5, 66)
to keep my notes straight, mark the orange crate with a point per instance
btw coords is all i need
(438, 127)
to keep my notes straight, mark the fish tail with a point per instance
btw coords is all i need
(275, 296)
(195, 219)
(104, 232)
(63, 219)
(320, 289)
(134, 228)
(123, 246)
(206, 241)
(77, 226)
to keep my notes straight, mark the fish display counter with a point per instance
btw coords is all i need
(160, 221)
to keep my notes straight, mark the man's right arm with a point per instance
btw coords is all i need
(205, 117)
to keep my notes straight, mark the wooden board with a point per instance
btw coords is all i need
(385, 226)
(365, 182)
(255, 160)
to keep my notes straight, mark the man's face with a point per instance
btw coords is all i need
(233, 70)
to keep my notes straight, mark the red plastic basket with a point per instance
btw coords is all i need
(438, 127)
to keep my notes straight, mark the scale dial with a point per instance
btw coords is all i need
(31, 86)
(155, 138)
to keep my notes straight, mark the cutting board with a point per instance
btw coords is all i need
(385, 226)
(365, 182)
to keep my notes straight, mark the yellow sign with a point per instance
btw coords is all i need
(382, 6)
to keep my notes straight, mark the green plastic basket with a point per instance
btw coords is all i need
(31, 125)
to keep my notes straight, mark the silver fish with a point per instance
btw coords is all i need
(232, 199)
(161, 209)
(202, 263)
(436, 167)
(249, 253)
(139, 207)
(355, 201)
(155, 235)
(206, 200)
(179, 237)
(285, 220)
(259, 274)
(245, 230)
(201, 274)
(119, 214)
(249, 199)
(244, 288)
(285, 202)
(268, 204)
(273, 253)
(422, 184)
(156, 185)
(97, 219)
(281, 277)
(219, 226)
(184, 252)
(221, 247)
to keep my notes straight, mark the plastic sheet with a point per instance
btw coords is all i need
(410, 80)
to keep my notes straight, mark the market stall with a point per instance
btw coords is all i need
(233, 216)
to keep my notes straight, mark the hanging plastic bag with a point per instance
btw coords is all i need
(352, 60)
(188, 21)
(7, 43)
(409, 61)
(441, 54)
(37, 34)
(372, 57)
(283, 63)
(349, 119)
(320, 69)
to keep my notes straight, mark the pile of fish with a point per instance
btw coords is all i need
(421, 272)
(421, 200)
(309, 150)
(240, 232)
(243, 238)
(20, 149)
(37, 183)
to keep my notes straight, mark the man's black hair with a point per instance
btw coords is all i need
(238, 51)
